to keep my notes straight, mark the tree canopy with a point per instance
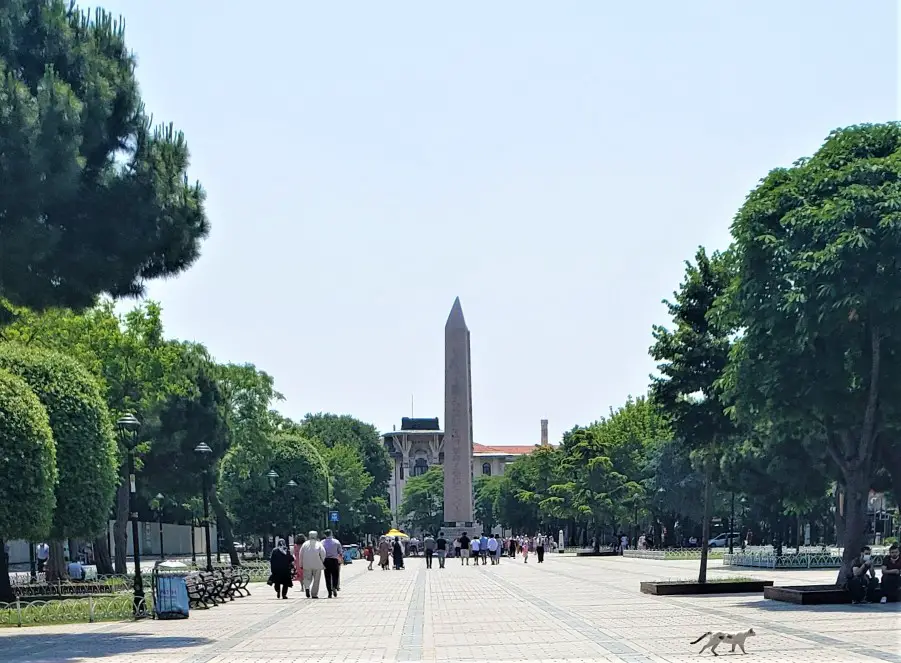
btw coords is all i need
(93, 197)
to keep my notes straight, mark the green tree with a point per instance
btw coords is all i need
(27, 469)
(94, 198)
(133, 362)
(349, 481)
(817, 295)
(486, 507)
(85, 446)
(692, 360)
(334, 429)
(527, 498)
(423, 505)
(258, 506)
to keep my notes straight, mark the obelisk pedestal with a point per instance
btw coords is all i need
(457, 426)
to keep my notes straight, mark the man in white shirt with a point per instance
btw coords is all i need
(493, 549)
(43, 554)
(474, 548)
(312, 561)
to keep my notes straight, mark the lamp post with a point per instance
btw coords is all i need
(661, 492)
(292, 485)
(744, 502)
(731, 521)
(32, 562)
(272, 476)
(159, 516)
(128, 426)
(204, 450)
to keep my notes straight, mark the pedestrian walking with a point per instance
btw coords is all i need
(494, 549)
(369, 555)
(474, 550)
(299, 540)
(384, 553)
(524, 547)
(428, 545)
(334, 558)
(483, 549)
(280, 569)
(398, 555)
(312, 559)
(441, 549)
(539, 549)
(464, 549)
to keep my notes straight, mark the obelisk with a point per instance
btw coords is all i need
(457, 425)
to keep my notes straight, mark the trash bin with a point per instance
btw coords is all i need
(170, 591)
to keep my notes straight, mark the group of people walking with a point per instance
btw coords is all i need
(482, 548)
(310, 560)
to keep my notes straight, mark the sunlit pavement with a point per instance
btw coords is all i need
(567, 609)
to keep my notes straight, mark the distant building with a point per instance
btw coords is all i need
(419, 444)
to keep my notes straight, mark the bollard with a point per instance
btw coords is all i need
(19, 610)
(90, 608)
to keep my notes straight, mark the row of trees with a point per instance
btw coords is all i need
(88, 368)
(777, 372)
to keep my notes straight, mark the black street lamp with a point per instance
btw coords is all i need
(731, 521)
(272, 476)
(744, 525)
(204, 450)
(292, 484)
(129, 426)
(159, 516)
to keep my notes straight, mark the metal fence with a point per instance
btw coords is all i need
(68, 611)
(818, 560)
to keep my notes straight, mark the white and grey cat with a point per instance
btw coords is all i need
(714, 640)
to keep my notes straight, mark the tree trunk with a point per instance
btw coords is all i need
(120, 528)
(857, 491)
(839, 513)
(56, 565)
(705, 529)
(102, 556)
(224, 527)
(6, 589)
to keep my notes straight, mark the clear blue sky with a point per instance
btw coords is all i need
(551, 163)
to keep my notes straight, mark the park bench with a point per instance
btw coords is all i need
(198, 591)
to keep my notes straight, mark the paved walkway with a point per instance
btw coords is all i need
(567, 609)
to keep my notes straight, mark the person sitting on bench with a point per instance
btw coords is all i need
(891, 574)
(862, 584)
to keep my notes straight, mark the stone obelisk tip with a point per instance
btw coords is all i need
(456, 319)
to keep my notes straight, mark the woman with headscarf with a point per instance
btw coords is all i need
(384, 553)
(398, 554)
(280, 563)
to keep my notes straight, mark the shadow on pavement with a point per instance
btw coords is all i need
(781, 606)
(47, 647)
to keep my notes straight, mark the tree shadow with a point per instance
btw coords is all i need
(768, 605)
(32, 648)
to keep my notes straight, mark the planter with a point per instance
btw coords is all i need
(808, 594)
(671, 588)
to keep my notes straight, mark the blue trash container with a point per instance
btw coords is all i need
(170, 595)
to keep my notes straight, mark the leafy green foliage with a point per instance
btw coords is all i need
(27, 463)
(257, 506)
(693, 358)
(817, 295)
(85, 446)
(333, 429)
(486, 505)
(94, 198)
(423, 505)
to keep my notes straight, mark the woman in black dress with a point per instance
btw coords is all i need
(398, 554)
(281, 564)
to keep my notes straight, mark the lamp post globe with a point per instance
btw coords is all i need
(128, 426)
(204, 451)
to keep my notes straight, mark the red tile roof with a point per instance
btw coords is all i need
(519, 450)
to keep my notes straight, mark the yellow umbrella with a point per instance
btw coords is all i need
(396, 532)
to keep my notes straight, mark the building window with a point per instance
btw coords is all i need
(486, 469)
(420, 467)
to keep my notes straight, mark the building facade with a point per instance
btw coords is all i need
(419, 444)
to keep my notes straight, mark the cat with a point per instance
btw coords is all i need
(718, 638)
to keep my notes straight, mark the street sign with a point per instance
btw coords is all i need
(333, 516)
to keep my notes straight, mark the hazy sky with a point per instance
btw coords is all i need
(552, 164)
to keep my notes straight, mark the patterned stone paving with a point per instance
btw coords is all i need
(565, 610)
